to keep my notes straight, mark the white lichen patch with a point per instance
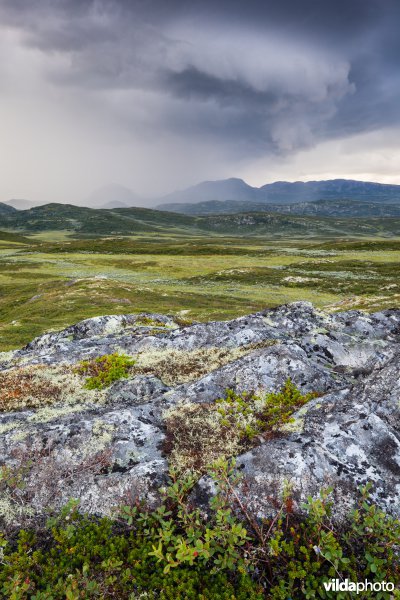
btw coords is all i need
(10, 511)
(49, 413)
(101, 437)
(6, 357)
(6, 427)
(294, 279)
(179, 366)
(40, 385)
(21, 435)
(295, 425)
(269, 322)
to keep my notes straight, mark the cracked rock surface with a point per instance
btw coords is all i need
(108, 448)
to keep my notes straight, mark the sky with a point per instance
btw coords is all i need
(158, 95)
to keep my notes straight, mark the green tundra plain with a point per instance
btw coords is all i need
(51, 280)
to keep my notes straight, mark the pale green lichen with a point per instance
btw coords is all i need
(21, 435)
(321, 330)
(6, 357)
(38, 386)
(9, 426)
(269, 322)
(49, 413)
(101, 437)
(10, 511)
(294, 426)
(174, 367)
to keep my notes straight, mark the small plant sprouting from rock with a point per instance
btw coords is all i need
(146, 321)
(101, 372)
(199, 434)
(254, 415)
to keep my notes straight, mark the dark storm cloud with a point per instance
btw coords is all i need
(267, 75)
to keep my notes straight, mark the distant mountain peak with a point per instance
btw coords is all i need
(113, 195)
(22, 203)
(221, 189)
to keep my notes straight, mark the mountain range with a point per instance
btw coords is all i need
(246, 197)
(282, 192)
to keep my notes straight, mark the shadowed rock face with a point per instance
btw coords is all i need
(107, 447)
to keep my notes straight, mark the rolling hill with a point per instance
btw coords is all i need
(87, 222)
(6, 209)
(322, 208)
(90, 221)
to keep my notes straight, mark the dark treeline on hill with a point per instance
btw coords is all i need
(86, 222)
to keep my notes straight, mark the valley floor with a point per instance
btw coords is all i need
(48, 281)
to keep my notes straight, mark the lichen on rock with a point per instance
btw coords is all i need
(106, 445)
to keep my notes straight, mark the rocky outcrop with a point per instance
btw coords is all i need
(108, 447)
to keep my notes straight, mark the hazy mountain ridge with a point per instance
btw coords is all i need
(22, 203)
(113, 196)
(284, 192)
(236, 190)
(223, 189)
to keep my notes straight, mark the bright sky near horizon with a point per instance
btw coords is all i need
(157, 95)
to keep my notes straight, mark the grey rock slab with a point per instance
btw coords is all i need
(110, 453)
(98, 455)
(344, 440)
(261, 371)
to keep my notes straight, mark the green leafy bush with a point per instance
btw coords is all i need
(83, 557)
(178, 552)
(104, 370)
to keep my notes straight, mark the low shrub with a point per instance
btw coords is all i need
(178, 552)
(256, 415)
(104, 370)
(196, 436)
(199, 434)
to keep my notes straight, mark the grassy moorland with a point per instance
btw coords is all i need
(50, 280)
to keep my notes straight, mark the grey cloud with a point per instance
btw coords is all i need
(268, 79)
(261, 77)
